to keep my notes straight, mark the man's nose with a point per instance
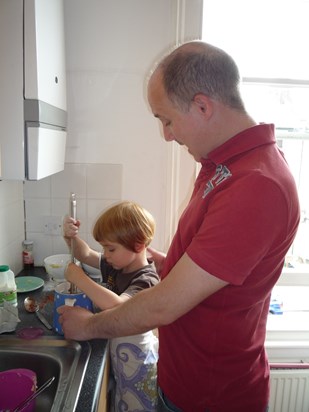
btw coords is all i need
(168, 135)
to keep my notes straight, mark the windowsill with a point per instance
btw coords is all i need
(288, 326)
(298, 275)
(292, 288)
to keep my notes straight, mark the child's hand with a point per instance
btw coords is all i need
(73, 272)
(70, 227)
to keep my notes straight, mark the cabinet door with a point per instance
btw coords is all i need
(45, 78)
(104, 394)
(46, 150)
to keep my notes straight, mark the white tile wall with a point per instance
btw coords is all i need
(11, 224)
(96, 186)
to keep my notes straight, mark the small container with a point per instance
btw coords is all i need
(16, 385)
(276, 305)
(63, 296)
(28, 254)
(8, 287)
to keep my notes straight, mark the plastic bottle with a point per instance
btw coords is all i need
(28, 254)
(7, 286)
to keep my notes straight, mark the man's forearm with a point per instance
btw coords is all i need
(130, 318)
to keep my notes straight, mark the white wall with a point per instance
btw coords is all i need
(111, 47)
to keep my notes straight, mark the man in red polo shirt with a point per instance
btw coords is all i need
(212, 303)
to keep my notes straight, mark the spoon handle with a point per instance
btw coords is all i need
(73, 288)
(25, 403)
(43, 320)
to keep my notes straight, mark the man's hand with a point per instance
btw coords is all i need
(157, 257)
(75, 322)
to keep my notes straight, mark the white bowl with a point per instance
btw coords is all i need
(94, 273)
(55, 266)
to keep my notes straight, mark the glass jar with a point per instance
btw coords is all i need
(28, 254)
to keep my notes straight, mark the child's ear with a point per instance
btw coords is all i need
(139, 247)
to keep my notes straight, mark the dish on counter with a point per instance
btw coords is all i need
(28, 283)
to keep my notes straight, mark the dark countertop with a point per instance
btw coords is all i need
(89, 395)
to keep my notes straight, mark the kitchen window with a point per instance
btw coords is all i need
(269, 41)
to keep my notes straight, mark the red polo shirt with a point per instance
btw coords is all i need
(238, 226)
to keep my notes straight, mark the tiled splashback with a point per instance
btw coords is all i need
(96, 186)
(11, 224)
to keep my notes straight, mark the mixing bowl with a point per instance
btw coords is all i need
(55, 266)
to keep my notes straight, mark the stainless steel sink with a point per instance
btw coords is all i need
(49, 356)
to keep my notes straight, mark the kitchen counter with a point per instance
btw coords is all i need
(90, 391)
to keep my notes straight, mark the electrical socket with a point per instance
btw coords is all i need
(52, 225)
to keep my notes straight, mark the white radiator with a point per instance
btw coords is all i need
(289, 376)
(289, 388)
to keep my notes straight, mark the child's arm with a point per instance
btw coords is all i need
(103, 298)
(82, 251)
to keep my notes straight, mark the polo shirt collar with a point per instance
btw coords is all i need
(242, 142)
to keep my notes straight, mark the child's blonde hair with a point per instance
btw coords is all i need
(126, 223)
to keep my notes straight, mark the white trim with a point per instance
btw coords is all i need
(276, 81)
(172, 192)
(181, 167)
(287, 351)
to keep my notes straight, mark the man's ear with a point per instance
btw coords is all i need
(204, 104)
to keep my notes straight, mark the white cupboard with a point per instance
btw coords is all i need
(33, 89)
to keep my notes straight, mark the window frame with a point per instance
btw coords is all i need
(277, 329)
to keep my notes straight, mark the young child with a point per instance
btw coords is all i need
(124, 231)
